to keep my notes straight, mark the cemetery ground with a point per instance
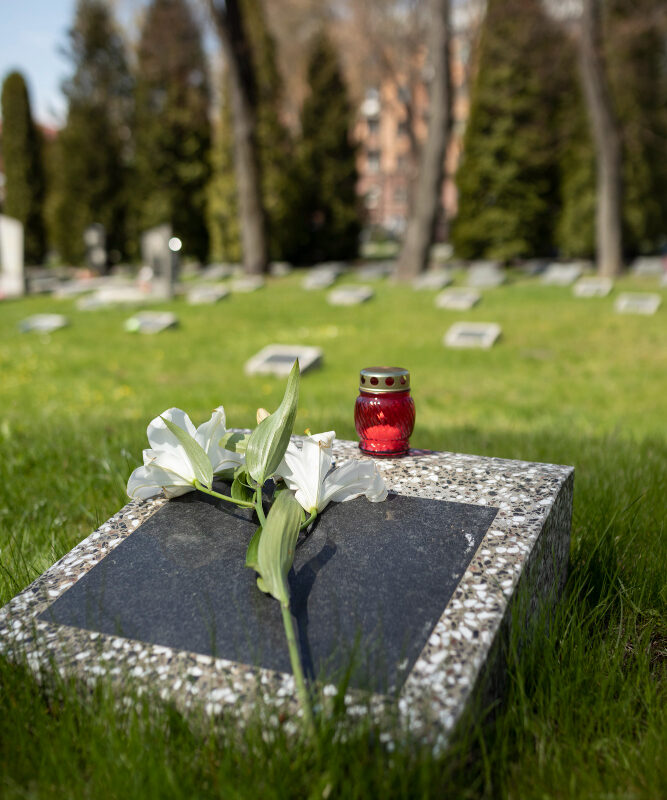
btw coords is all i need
(569, 382)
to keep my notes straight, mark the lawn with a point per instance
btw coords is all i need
(570, 382)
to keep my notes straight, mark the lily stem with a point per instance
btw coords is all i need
(258, 506)
(301, 690)
(310, 519)
(229, 499)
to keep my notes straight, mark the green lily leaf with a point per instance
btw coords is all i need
(201, 463)
(240, 489)
(275, 550)
(251, 553)
(235, 441)
(268, 442)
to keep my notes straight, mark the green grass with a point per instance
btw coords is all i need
(570, 382)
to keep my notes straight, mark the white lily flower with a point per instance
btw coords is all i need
(166, 464)
(308, 472)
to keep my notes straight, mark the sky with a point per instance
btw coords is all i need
(31, 34)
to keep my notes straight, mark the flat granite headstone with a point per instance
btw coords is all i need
(12, 275)
(376, 271)
(318, 279)
(277, 359)
(458, 299)
(485, 275)
(415, 595)
(432, 280)
(206, 295)
(637, 303)
(349, 295)
(561, 274)
(43, 323)
(151, 322)
(592, 287)
(649, 266)
(472, 334)
(247, 283)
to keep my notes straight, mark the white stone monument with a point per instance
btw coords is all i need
(638, 303)
(457, 299)
(277, 359)
(472, 334)
(12, 276)
(592, 287)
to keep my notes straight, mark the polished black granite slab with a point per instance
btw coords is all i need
(369, 583)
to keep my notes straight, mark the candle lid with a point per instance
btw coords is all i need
(379, 380)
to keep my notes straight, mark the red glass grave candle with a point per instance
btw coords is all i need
(384, 414)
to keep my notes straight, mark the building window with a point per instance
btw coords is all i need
(400, 195)
(402, 128)
(372, 198)
(373, 160)
(373, 126)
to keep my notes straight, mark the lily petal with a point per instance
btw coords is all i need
(352, 480)
(303, 469)
(209, 434)
(171, 456)
(150, 480)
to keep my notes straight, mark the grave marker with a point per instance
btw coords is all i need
(206, 295)
(318, 279)
(247, 283)
(432, 280)
(43, 323)
(151, 322)
(472, 334)
(12, 276)
(159, 595)
(561, 274)
(376, 271)
(280, 269)
(457, 299)
(592, 287)
(277, 359)
(649, 266)
(94, 239)
(159, 251)
(349, 295)
(637, 303)
(217, 272)
(485, 275)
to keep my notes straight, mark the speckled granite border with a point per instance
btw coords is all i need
(524, 554)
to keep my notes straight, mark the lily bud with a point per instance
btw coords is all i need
(262, 414)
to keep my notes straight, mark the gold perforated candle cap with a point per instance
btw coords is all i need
(384, 379)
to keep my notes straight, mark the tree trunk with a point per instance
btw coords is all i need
(606, 140)
(420, 228)
(236, 49)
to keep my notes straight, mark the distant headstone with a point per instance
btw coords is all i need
(349, 295)
(592, 287)
(561, 274)
(337, 268)
(94, 239)
(458, 299)
(277, 359)
(157, 254)
(43, 323)
(151, 322)
(637, 303)
(318, 279)
(377, 271)
(206, 295)
(534, 266)
(485, 275)
(649, 266)
(119, 295)
(217, 272)
(472, 334)
(280, 269)
(441, 252)
(432, 280)
(247, 283)
(12, 276)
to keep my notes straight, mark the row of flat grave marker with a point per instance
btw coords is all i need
(349, 295)
(412, 611)
(277, 359)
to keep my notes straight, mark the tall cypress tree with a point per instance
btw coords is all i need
(24, 172)
(507, 178)
(327, 163)
(90, 161)
(172, 124)
(275, 151)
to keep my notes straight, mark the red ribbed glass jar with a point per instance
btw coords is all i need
(384, 414)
